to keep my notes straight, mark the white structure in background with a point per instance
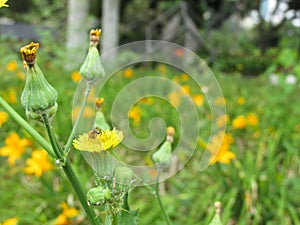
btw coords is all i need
(77, 35)
(110, 24)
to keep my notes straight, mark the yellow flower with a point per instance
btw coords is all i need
(220, 101)
(12, 96)
(14, 148)
(147, 101)
(88, 112)
(38, 163)
(239, 122)
(3, 118)
(221, 153)
(2, 3)
(128, 73)
(135, 114)
(12, 66)
(184, 77)
(222, 120)
(97, 142)
(67, 213)
(162, 68)
(241, 101)
(11, 221)
(76, 77)
(185, 90)
(174, 98)
(252, 119)
(198, 99)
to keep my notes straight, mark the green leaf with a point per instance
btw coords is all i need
(128, 217)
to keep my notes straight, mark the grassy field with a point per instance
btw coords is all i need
(256, 178)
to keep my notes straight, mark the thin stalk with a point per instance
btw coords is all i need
(166, 218)
(33, 133)
(72, 134)
(70, 174)
(52, 138)
(94, 220)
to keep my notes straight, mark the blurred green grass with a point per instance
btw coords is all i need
(261, 186)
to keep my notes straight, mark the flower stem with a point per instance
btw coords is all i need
(166, 218)
(72, 134)
(35, 135)
(70, 173)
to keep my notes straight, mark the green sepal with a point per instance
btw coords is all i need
(216, 220)
(163, 156)
(100, 121)
(38, 95)
(92, 68)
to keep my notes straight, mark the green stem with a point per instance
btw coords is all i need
(94, 220)
(70, 173)
(158, 198)
(35, 135)
(52, 138)
(72, 134)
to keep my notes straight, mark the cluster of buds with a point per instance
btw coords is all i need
(38, 97)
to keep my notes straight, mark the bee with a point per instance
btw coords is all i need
(93, 133)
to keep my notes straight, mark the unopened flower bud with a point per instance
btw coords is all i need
(98, 195)
(123, 176)
(170, 134)
(163, 156)
(100, 120)
(92, 69)
(38, 96)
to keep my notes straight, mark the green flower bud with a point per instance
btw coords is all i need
(92, 69)
(38, 96)
(100, 120)
(123, 176)
(163, 156)
(98, 195)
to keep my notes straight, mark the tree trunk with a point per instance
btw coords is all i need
(110, 24)
(77, 33)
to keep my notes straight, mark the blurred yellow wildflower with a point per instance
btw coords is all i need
(2, 3)
(220, 101)
(38, 163)
(241, 101)
(135, 114)
(239, 122)
(21, 75)
(198, 99)
(98, 141)
(88, 112)
(11, 96)
(75, 76)
(252, 119)
(221, 153)
(14, 148)
(128, 73)
(147, 101)
(12, 66)
(162, 68)
(176, 79)
(185, 90)
(10, 221)
(222, 120)
(67, 214)
(174, 98)
(184, 77)
(3, 118)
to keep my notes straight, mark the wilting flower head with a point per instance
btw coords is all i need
(95, 36)
(28, 53)
(97, 140)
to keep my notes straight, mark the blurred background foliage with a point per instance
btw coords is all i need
(257, 65)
